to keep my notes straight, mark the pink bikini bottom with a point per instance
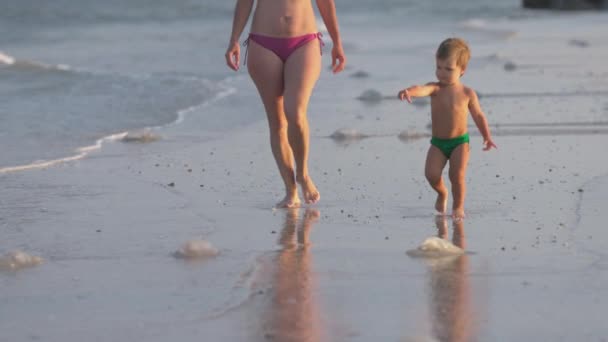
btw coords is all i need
(283, 47)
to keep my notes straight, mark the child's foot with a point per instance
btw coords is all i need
(309, 191)
(458, 214)
(311, 215)
(441, 204)
(441, 222)
(292, 201)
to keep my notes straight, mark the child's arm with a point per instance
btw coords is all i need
(417, 91)
(480, 120)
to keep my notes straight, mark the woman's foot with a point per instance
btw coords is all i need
(309, 190)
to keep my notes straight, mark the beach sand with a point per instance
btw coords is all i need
(535, 263)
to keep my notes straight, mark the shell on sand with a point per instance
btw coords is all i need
(360, 74)
(18, 259)
(435, 247)
(510, 66)
(343, 134)
(579, 42)
(421, 102)
(144, 136)
(370, 95)
(195, 249)
(412, 135)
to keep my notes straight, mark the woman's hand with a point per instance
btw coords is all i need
(338, 60)
(233, 55)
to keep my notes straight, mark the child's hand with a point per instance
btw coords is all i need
(404, 95)
(488, 144)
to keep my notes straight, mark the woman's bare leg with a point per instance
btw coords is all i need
(435, 162)
(266, 70)
(302, 70)
(458, 168)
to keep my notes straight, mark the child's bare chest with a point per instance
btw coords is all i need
(450, 102)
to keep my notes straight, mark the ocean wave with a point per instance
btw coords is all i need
(80, 153)
(28, 64)
(483, 26)
(212, 91)
(225, 91)
(474, 23)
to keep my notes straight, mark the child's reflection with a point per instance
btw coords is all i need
(294, 315)
(450, 289)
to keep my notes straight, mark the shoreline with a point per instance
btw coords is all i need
(108, 226)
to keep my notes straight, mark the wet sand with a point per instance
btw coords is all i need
(534, 267)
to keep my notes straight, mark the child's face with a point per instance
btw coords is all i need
(448, 72)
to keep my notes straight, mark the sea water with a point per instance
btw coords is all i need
(77, 73)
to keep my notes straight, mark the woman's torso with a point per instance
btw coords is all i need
(284, 18)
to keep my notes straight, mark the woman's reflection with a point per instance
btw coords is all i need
(450, 289)
(294, 315)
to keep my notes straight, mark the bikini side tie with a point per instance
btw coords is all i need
(321, 42)
(246, 45)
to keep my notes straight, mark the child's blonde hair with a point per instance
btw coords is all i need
(454, 47)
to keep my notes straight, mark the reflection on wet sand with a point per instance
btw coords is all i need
(293, 314)
(452, 314)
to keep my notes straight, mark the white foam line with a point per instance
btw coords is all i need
(84, 151)
(10, 60)
(181, 115)
(81, 153)
(6, 59)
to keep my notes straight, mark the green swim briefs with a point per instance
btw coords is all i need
(447, 146)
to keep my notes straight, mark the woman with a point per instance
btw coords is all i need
(284, 61)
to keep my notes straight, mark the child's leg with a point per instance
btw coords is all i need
(435, 162)
(441, 223)
(458, 168)
(458, 238)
